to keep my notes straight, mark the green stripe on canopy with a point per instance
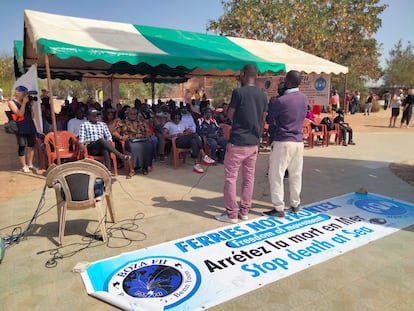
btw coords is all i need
(203, 50)
(110, 48)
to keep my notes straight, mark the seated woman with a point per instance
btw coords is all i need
(137, 141)
(185, 138)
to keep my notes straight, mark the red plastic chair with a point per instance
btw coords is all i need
(67, 146)
(307, 133)
(320, 134)
(178, 152)
(102, 159)
(226, 135)
(328, 133)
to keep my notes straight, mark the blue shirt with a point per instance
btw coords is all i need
(188, 121)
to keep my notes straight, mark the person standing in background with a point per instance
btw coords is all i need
(247, 110)
(396, 102)
(22, 113)
(368, 103)
(334, 101)
(407, 109)
(287, 116)
(355, 102)
(386, 97)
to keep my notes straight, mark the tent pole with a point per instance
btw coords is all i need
(346, 88)
(52, 105)
(153, 92)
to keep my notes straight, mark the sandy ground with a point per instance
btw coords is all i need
(13, 182)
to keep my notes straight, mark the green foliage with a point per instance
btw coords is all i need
(221, 90)
(6, 75)
(341, 31)
(79, 89)
(130, 91)
(400, 67)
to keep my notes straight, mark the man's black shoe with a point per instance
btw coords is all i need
(274, 213)
(295, 209)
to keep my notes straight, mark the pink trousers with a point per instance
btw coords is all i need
(236, 157)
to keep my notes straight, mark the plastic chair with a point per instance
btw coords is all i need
(307, 133)
(67, 145)
(329, 133)
(226, 135)
(320, 133)
(226, 130)
(80, 185)
(101, 159)
(178, 152)
(265, 139)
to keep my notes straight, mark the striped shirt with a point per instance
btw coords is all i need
(93, 131)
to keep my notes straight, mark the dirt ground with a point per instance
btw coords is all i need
(13, 182)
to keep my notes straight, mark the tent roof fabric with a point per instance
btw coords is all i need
(78, 46)
(293, 59)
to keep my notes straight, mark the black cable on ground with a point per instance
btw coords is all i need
(17, 234)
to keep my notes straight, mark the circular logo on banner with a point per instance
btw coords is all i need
(320, 84)
(381, 207)
(171, 280)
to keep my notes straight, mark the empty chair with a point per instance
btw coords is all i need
(66, 145)
(80, 185)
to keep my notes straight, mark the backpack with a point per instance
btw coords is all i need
(328, 122)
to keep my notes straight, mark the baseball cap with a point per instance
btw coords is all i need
(93, 111)
(22, 88)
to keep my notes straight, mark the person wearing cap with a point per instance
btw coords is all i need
(96, 137)
(22, 113)
(344, 127)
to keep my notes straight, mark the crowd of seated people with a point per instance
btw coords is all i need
(158, 124)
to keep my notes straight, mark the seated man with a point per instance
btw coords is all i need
(344, 127)
(95, 136)
(75, 123)
(185, 138)
(208, 126)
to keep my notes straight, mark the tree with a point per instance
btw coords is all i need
(400, 67)
(341, 31)
(221, 90)
(6, 74)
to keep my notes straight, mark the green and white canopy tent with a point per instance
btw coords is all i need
(80, 46)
